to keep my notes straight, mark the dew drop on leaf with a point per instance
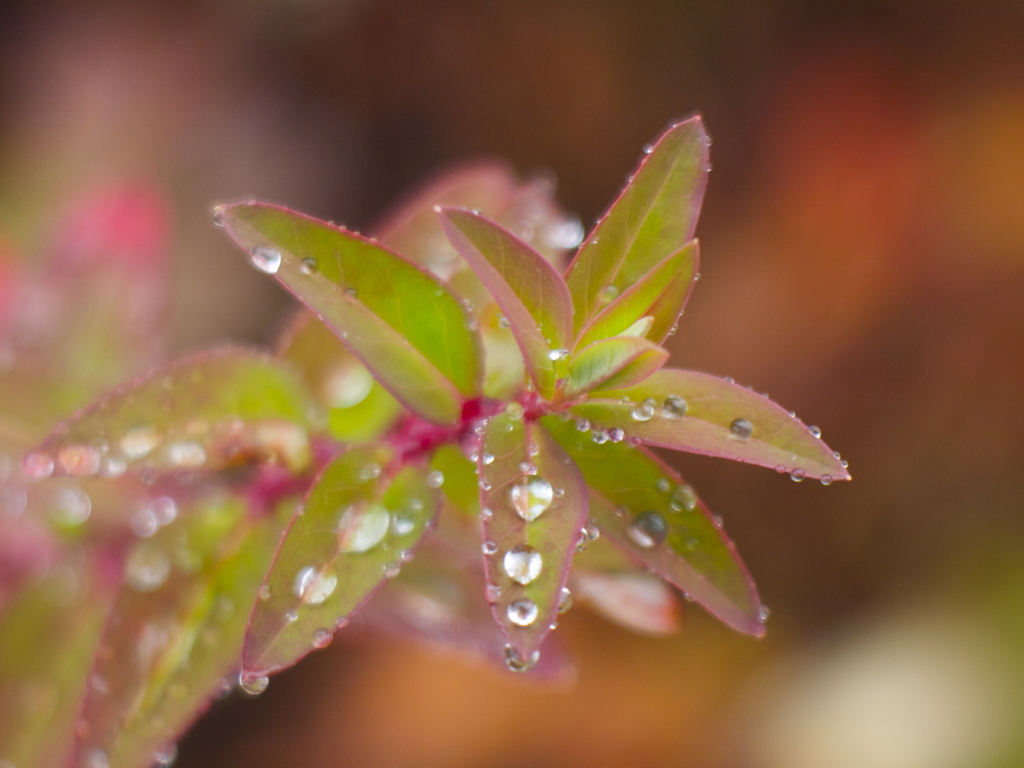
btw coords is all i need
(487, 458)
(492, 593)
(643, 411)
(684, 499)
(38, 465)
(517, 663)
(648, 529)
(522, 613)
(489, 548)
(663, 484)
(139, 442)
(322, 638)
(186, 454)
(609, 293)
(582, 425)
(797, 475)
(253, 686)
(79, 460)
(531, 497)
(147, 568)
(557, 354)
(362, 527)
(218, 216)
(523, 564)
(599, 436)
(673, 408)
(266, 259)
(815, 431)
(616, 435)
(312, 587)
(564, 600)
(308, 266)
(826, 479)
(435, 479)
(741, 428)
(95, 758)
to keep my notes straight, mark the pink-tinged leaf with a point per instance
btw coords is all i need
(661, 295)
(618, 361)
(655, 215)
(174, 634)
(403, 323)
(48, 635)
(359, 409)
(699, 413)
(645, 508)
(207, 412)
(355, 530)
(527, 289)
(636, 601)
(533, 504)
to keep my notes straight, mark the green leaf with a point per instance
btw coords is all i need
(354, 531)
(645, 508)
(699, 413)
(175, 632)
(660, 295)
(403, 323)
(206, 412)
(529, 291)
(655, 215)
(618, 361)
(359, 409)
(534, 505)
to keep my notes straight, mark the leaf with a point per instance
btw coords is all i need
(205, 412)
(175, 631)
(355, 530)
(655, 215)
(403, 323)
(618, 361)
(699, 413)
(646, 509)
(660, 294)
(533, 505)
(359, 409)
(530, 293)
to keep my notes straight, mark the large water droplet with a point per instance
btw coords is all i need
(147, 568)
(674, 407)
(522, 613)
(313, 586)
(741, 428)
(643, 411)
(648, 529)
(523, 564)
(517, 663)
(532, 497)
(253, 686)
(266, 259)
(362, 527)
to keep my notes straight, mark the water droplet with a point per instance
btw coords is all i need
(264, 592)
(648, 148)
(527, 467)
(144, 523)
(564, 600)
(402, 525)
(522, 613)
(741, 428)
(113, 466)
(165, 758)
(558, 354)
(643, 411)
(147, 568)
(139, 442)
(435, 479)
(826, 479)
(352, 293)
(38, 465)
(253, 686)
(684, 499)
(797, 475)
(523, 564)
(815, 431)
(218, 216)
(599, 436)
(362, 527)
(487, 458)
(368, 472)
(663, 484)
(489, 548)
(565, 234)
(291, 617)
(308, 267)
(763, 613)
(484, 484)
(582, 425)
(648, 529)
(266, 259)
(71, 507)
(609, 294)
(673, 408)
(95, 758)
(391, 569)
(517, 663)
(532, 497)
(322, 638)
(78, 460)
(515, 410)
(486, 513)
(313, 586)
(503, 322)
(186, 454)
(616, 435)
(492, 593)
(844, 463)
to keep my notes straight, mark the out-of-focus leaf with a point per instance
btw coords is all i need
(618, 361)
(175, 632)
(530, 293)
(48, 636)
(403, 323)
(354, 531)
(642, 506)
(637, 601)
(661, 295)
(533, 505)
(206, 412)
(696, 412)
(460, 479)
(358, 408)
(655, 215)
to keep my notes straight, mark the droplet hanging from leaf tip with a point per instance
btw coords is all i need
(517, 663)
(253, 686)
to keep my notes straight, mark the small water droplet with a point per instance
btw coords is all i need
(253, 686)
(266, 259)
(309, 267)
(391, 569)
(582, 425)
(489, 548)
(797, 475)
(352, 293)
(147, 568)
(599, 436)
(648, 529)
(38, 465)
(143, 523)
(564, 600)
(503, 322)
(815, 431)
(139, 442)
(523, 564)
(826, 479)
(313, 586)
(763, 613)
(663, 484)
(369, 472)
(565, 234)
(402, 525)
(486, 513)
(218, 216)
(741, 428)
(558, 354)
(362, 527)
(517, 663)
(515, 410)
(608, 294)
(684, 499)
(186, 454)
(616, 435)
(527, 467)
(322, 638)
(487, 458)
(291, 617)
(673, 408)
(485, 484)
(492, 593)
(264, 592)
(522, 613)
(648, 148)
(435, 479)
(531, 497)
(643, 411)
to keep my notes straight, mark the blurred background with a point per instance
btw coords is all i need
(863, 261)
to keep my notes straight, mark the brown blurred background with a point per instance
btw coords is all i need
(863, 262)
